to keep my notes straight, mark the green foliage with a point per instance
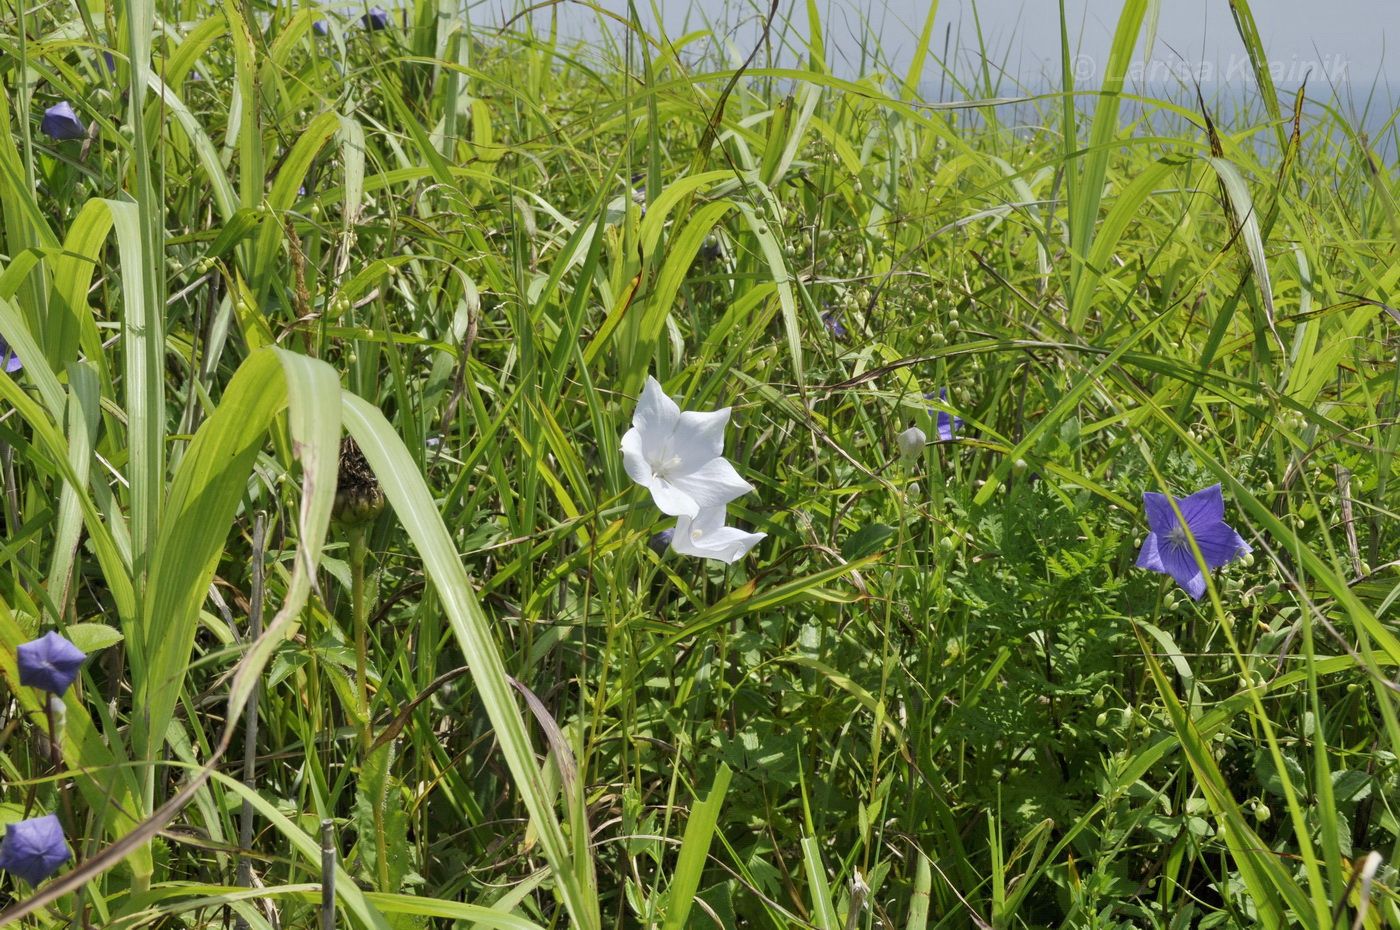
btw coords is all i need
(938, 695)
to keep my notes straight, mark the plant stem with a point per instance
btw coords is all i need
(358, 551)
(328, 857)
(250, 725)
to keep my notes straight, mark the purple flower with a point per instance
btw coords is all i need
(49, 662)
(111, 61)
(34, 849)
(660, 542)
(61, 123)
(321, 27)
(832, 320)
(1167, 548)
(375, 19)
(8, 359)
(948, 424)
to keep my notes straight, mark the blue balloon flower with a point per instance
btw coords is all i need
(832, 320)
(49, 662)
(948, 424)
(1167, 548)
(661, 541)
(375, 19)
(61, 123)
(34, 849)
(8, 359)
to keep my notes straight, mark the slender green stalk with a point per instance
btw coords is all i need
(359, 552)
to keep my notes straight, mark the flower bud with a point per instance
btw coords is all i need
(911, 442)
(61, 124)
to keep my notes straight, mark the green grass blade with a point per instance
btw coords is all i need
(695, 850)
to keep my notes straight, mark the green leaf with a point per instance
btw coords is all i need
(92, 637)
(695, 848)
(867, 540)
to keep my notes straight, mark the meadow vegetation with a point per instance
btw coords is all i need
(327, 328)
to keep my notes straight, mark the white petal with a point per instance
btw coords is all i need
(713, 484)
(698, 438)
(707, 537)
(670, 499)
(655, 418)
(638, 468)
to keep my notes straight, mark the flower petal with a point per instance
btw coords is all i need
(945, 426)
(1220, 544)
(707, 537)
(633, 458)
(656, 417)
(1194, 586)
(1204, 507)
(1160, 516)
(1180, 563)
(670, 499)
(1148, 557)
(698, 438)
(713, 484)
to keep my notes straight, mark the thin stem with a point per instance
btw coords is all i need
(250, 725)
(359, 615)
(328, 855)
(358, 551)
(56, 758)
(53, 710)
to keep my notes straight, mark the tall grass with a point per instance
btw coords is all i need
(938, 695)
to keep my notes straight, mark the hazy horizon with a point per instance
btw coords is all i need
(1196, 41)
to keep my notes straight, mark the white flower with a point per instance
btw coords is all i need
(911, 442)
(677, 455)
(706, 536)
